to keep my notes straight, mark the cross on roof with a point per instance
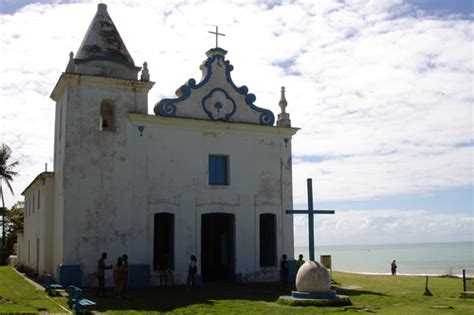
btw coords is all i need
(310, 212)
(217, 35)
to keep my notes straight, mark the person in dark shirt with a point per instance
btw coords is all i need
(101, 267)
(393, 267)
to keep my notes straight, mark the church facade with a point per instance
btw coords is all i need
(209, 174)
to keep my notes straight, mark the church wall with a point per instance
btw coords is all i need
(59, 153)
(36, 243)
(48, 224)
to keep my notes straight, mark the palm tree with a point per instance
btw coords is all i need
(6, 175)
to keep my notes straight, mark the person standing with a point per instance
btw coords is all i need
(119, 277)
(125, 271)
(299, 262)
(393, 267)
(163, 269)
(101, 267)
(284, 269)
(192, 270)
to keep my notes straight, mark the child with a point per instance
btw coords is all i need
(192, 270)
(118, 277)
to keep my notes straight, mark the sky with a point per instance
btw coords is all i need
(382, 92)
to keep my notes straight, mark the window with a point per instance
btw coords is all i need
(39, 197)
(33, 204)
(267, 240)
(218, 170)
(107, 116)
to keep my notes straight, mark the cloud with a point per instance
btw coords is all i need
(382, 92)
(384, 227)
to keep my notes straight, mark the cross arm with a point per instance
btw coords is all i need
(310, 211)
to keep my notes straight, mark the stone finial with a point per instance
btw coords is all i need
(145, 73)
(70, 68)
(283, 117)
(283, 103)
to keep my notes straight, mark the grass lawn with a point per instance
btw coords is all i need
(17, 295)
(369, 294)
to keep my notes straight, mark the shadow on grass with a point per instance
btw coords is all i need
(165, 299)
(356, 292)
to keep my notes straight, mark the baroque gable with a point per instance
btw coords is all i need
(216, 97)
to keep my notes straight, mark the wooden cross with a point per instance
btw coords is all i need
(217, 34)
(310, 212)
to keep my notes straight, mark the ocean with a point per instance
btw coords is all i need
(412, 259)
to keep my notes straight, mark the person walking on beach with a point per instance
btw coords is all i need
(393, 266)
(192, 270)
(284, 269)
(101, 267)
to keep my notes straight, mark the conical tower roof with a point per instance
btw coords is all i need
(103, 42)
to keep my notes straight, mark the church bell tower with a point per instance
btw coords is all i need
(94, 97)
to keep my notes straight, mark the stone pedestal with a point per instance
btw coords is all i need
(313, 284)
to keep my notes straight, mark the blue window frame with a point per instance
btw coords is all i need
(218, 170)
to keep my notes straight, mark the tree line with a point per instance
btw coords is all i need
(12, 219)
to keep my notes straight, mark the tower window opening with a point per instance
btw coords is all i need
(107, 116)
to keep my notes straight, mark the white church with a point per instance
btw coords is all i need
(209, 174)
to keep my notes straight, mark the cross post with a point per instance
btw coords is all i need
(310, 212)
(217, 34)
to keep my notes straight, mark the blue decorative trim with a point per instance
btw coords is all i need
(139, 276)
(331, 294)
(213, 107)
(70, 275)
(237, 277)
(140, 129)
(197, 280)
(167, 106)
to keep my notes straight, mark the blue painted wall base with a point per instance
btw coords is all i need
(292, 271)
(70, 275)
(197, 280)
(237, 277)
(139, 276)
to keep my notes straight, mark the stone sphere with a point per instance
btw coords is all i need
(313, 277)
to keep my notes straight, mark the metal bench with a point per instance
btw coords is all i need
(75, 300)
(50, 285)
